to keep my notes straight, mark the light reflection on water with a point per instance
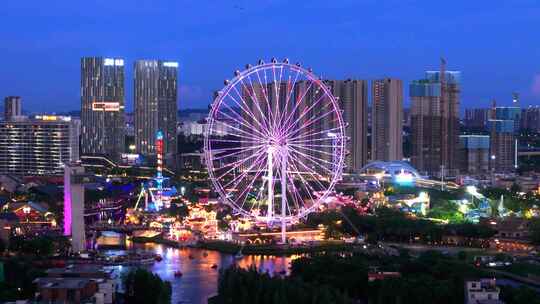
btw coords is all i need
(199, 280)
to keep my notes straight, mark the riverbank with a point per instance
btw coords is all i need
(157, 240)
(274, 249)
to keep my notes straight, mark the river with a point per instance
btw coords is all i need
(199, 280)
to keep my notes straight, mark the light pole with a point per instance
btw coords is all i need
(493, 158)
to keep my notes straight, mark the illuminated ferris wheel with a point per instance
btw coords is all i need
(274, 143)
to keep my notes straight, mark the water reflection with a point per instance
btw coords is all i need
(199, 279)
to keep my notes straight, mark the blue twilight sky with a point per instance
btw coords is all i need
(496, 44)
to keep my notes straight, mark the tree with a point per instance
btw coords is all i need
(142, 286)
(534, 228)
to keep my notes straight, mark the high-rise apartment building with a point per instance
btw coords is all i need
(425, 125)
(509, 113)
(387, 120)
(12, 107)
(503, 145)
(353, 100)
(156, 107)
(435, 122)
(476, 118)
(475, 154)
(38, 146)
(449, 105)
(102, 106)
(530, 118)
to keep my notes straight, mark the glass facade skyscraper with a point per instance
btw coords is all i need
(156, 107)
(102, 106)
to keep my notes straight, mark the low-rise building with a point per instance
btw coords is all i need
(482, 291)
(77, 284)
(65, 290)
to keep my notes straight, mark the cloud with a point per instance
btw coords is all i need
(535, 87)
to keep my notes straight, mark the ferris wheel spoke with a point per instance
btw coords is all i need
(290, 90)
(315, 178)
(305, 147)
(257, 162)
(255, 100)
(248, 142)
(258, 197)
(307, 169)
(286, 124)
(310, 124)
(295, 195)
(249, 187)
(281, 83)
(242, 123)
(241, 133)
(250, 114)
(241, 151)
(308, 189)
(302, 137)
(235, 165)
(276, 86)
(311, 121)
(263, 91)
(217, 151)
(323, 139)
(314, 160)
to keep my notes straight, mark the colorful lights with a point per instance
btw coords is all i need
(113, 62)
(170, 64)
(106, 106)
(284, 143)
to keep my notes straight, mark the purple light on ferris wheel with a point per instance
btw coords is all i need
(277, 160)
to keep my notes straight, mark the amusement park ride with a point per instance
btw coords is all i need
(285, 143)
(156, 192)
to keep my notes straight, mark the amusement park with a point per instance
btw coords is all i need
(276, 179)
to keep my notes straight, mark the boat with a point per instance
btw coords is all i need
(214, 266)
(178, 273)
(239, 254)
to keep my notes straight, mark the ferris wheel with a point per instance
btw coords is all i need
(275, 142)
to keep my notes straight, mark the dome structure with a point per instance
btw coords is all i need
(392, 169)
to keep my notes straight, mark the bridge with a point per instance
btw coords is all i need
(121, 228)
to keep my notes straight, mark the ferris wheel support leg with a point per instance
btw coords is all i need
(283, 195)
(270, 212)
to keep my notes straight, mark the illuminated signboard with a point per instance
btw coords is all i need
(170, 64)
(112, 61)
(52, 118)
(106, 106)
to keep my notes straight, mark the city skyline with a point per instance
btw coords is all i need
(395, 55)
